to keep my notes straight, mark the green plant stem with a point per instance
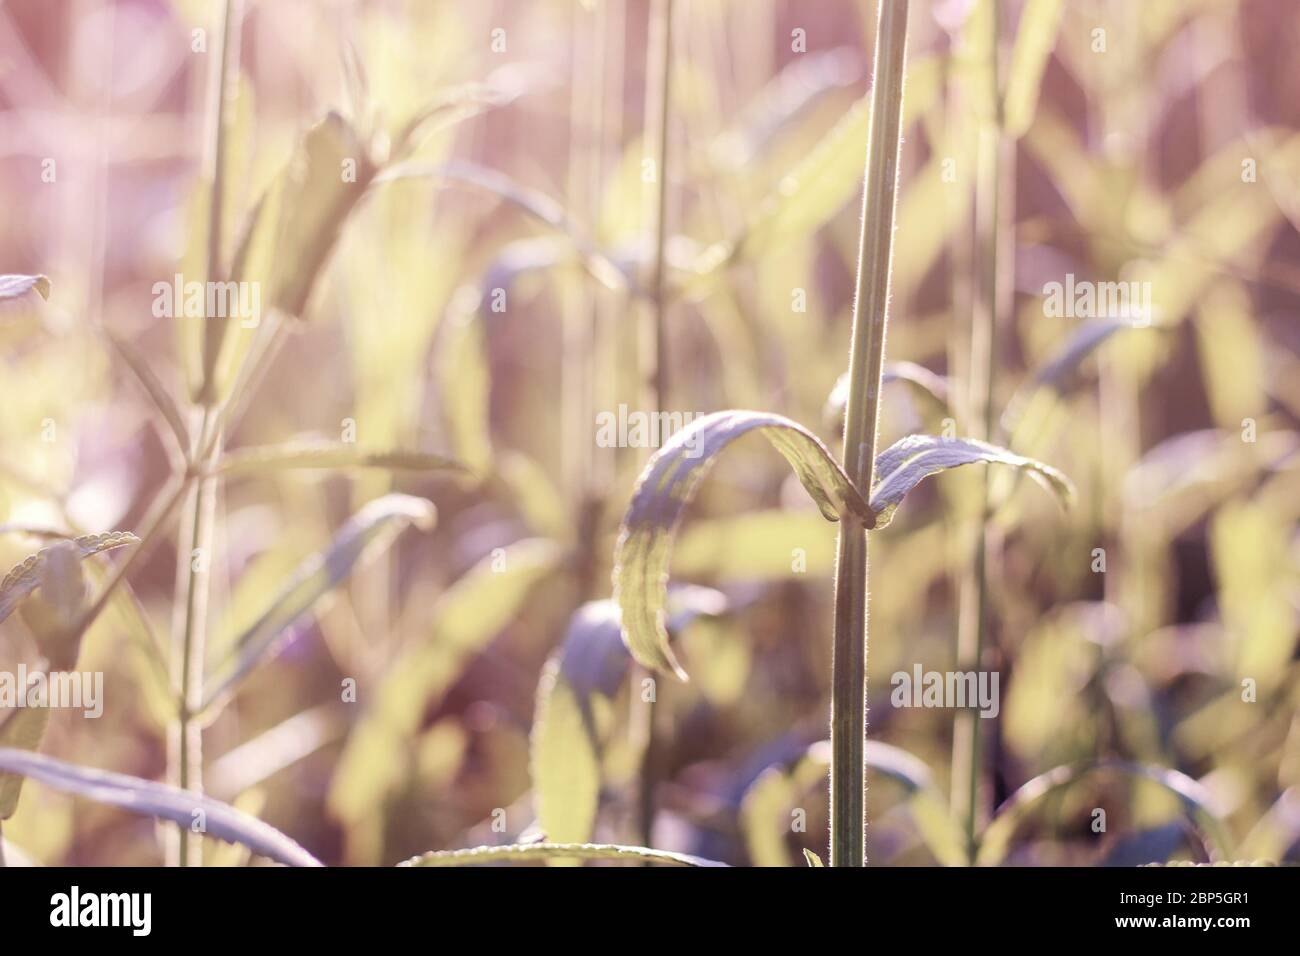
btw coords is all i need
(189, 647)
(992, 256)
(866, 357)
(654, 350)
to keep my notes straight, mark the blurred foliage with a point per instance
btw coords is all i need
(440, 308)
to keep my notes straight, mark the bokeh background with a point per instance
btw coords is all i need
(1170, 157)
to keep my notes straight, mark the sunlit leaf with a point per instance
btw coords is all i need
(325, 181)
(666, 487)
(1195, 799)
(17, 287)
(466, 617)
(902, 466)
(157, 800)
(1035, 37)
(25, 576)
(566, 743)
(368, 531)
(540, 852)
(328, 455)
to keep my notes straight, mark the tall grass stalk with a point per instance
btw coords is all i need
(195, 560)
(866, 357)
(653, 354)
(992, 286)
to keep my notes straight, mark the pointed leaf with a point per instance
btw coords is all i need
(18, 287)
(812, 858)
(370, 530)
(147, 798)
(903, 465)
(666, 487)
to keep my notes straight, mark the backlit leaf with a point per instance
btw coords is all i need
(157, 800)
(666, 487)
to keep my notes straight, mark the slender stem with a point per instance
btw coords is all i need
(189, 646)
(866, 357)
(654, 352)
(994, 165)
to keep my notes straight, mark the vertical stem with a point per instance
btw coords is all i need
(658, 112)
(654, 349)
(992, 256)
(866, 356)
(195, 560)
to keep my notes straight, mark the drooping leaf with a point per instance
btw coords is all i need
(1039, 22)
(566, 742)
(14, 287)
(666, 487)
(539, 852)
(25, 576)
(146, 798)
(903, 465)
(1195, 799)
(370, 530)
(328, 455)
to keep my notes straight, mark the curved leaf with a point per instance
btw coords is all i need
(331, 455)
(18, 287)
(931, 384)
(903, 465)
(1059, 370)
(536, 852)
(369, 530)
(1196, 801)
(146, 798)
(565, 744)
(25, 576)
(666, 487)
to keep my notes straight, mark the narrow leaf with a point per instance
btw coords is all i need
(154, 388)
(370, 530)
(667, 486)
(330, 455)
(1034, 41)
(163, 802)
(812, 858)
(538, 852)
(25, 576)
(903, 465)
